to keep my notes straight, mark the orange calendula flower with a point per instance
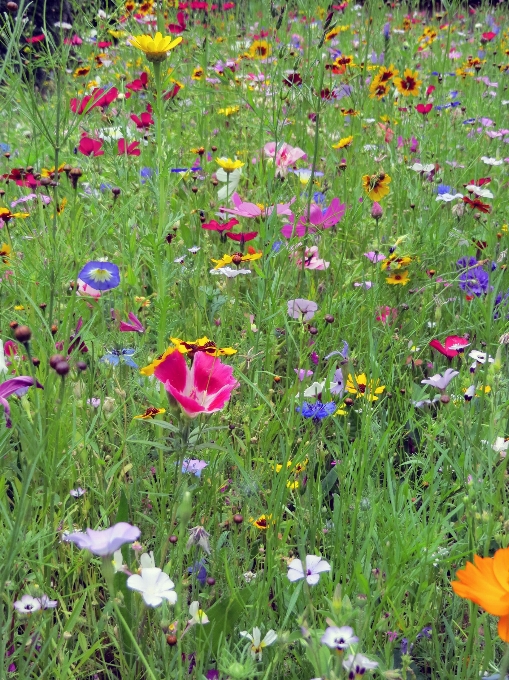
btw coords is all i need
(486, 582)
(260, 49)
(360, 386)
(409, 84)
(202, 345)
(150, 413)
(149, 370)
(376, 186)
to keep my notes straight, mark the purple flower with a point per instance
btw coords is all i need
(302, 309)
(104, 542)
(194, 466)
(317, 218)
(77, 493)
(302, 373)
(441, 381)
(14, 386)
(374, 257)
(200, 569)
(465, 262)
(475, 281)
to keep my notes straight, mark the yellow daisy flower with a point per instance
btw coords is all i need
(156, 48)
(202, 345)
(398, 278)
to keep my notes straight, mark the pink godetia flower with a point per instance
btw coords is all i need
(374, 257)
(179, 27)
(132, 149)
(98, 98)
(453, 345)
(284, 156)
(144, 120)
(206, 387)
(302, 373)
(311, 259)
(387, 315)
(424, 108)
(441, 381)
(135, 324)
(311, 571)
(243, 209)
(302, 309)
(16, 386)
(316, 219)
(90, 147)
(139, 83)
(84, 290)
(106, 541)
(385, 130)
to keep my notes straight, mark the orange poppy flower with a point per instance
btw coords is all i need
(486, 582)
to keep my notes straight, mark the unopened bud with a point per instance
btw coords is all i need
(376, 211)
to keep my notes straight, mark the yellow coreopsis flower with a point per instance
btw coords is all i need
(5, 252)
(156, 48)
(236, 259)
(409, 84)
(150, 413)
(398, 278)
(229, 110)
(260, 49)
(202, 345)
(376, 185)
(228, 165)
(149, 370)
(360, 386)
(344, 142)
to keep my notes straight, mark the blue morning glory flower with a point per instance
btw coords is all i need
(316, 411)
(100, 275)
(115, 355)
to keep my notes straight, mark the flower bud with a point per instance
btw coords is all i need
(56, 359)
(23, 334)
(62, 368)
(376, 211)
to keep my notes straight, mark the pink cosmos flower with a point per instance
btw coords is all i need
(90, 147)
(203, 388)
(243, 209)
(317, 219)
(98, 98)
(311, 259)
(285, 156)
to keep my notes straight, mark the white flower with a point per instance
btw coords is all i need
(77, 493)
(194, 250)
(479, 191)
(501, 445)
(469, 393)
(27, 605)
(481, 357)
(231, 180)
(117, 560)
(314, 390)
(448, 197)
(147, 560)
(229, 272)
(339, 638)
(249, 576)
(418, 167)
(439, 381)
(491, 161)
(358, 665)
(154, 585)
(256, 645)
(197, 614)
(3, 365)
(63, 24)
(314, 566)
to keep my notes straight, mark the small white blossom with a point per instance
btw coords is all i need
(315, 565)
(154, 585)
(197, 614)
(257, 645)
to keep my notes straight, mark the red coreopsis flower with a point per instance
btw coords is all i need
(292, 80)
(180, 26)
(453, 345)
(424, 108)
(35, 39)
(131, 149)
(477, 204)
(139, 83)
(90, 147)
(478, 182)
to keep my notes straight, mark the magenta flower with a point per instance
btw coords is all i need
(203, 388)
(90, 147)
(136, 326)
(243, 209)
(311, 259)
(104, 542)
(318, 219)
(284, 156)
(132, 149)
(302, 309)
(387, 315)
(16, 386)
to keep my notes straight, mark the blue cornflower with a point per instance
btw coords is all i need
(465, 262)
(319, 197)
(475, 281)
(100, 275)
(316, 411)
(386, 30)
(200, 569)
(469, 121)
(343, 353)
(444, 189)
(113, 357)
(441, 107)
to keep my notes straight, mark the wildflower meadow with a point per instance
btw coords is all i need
(254, 340)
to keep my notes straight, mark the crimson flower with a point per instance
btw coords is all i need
(91, 147)
(478, 182)
(21, 178)
(477, 204)
(18, 386)
(131, 149)
(454, 344)
(98, 98)
(488, 36)
(179, 27)
(243, 236)
(139, 83)
(204, 388)
(221, 227)
(144, 121)
(424, 108)
(35, 39)
(173, 92)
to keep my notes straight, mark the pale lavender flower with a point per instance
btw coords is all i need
(374, 257)
(315, 565)
(77, 493)
(358, 665)
(200, 537)
(339, 638)
(106, 541)
(27, 605)
(302, 309)
(439, 381)
(194, 466)
(302, 373)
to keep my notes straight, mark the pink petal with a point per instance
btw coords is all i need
(209, 374)
(173, 370)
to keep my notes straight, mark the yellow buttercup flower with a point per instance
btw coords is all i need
(228, 165)
(156, 48)
(344, 142)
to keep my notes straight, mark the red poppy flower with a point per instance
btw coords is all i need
(139, 83)
(221, 227)
(179, 27)
(90, 147)
(144, 121)
(424, 108)
(131, 149)
(477, 204)
(454, 344)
